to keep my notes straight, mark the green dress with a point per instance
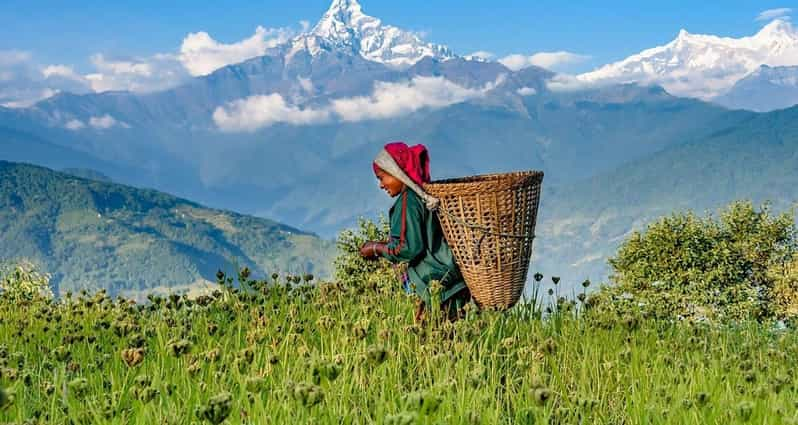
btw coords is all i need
(417, 239)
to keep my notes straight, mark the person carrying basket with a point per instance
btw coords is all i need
(416, 237)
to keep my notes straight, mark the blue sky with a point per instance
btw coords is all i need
(55, 33)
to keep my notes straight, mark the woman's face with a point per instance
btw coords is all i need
(389, 183)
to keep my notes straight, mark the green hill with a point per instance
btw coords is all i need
(93, 234)
(582, 224)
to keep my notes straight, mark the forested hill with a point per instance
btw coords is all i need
(95, 234)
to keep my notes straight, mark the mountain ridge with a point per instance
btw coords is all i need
(93, 234)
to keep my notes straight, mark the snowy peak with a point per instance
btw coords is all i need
(704, 66)
(345, 27)
(778, 28)
(343, 21)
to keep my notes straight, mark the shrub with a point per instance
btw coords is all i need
(785, 288)
(684, 265)
(23, 281)
(356, 272)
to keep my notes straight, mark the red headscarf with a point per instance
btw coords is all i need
(413, 160)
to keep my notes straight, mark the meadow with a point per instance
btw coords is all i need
(287, 349)
(331, 354)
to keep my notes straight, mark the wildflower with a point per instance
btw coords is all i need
(426, 402)
(307, 394)
(702, 398)
(213, 355)
(178, 347)
(586, 283)
(376, 355)
(744, 410)
(137, 340)
(538, 277)
(581, 297)
(555, 279)
(630, 322)
(255, 384)
(145, 395)
(62, 353)
(194, 368)
(133, 356)
(78, 386)
(541, 395)
(217, 409)
(549, 346)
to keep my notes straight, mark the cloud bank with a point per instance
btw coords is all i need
(200, 54)
(548, 60)
(101, 122)
(23, 81)
(387, 100)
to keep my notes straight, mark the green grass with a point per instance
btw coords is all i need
(331, 354)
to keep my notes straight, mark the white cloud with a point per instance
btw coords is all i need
(29, 98)
(527, 91)
(770, 14)
(158, 72)
(105, 122)
(388, 100)
(62, 71)
(22, 83)
(201, 54)
(260, 111)
(14, 57)
(566, 83)
(548, 60)
(74, 125)
(480, 55)
(394, 99)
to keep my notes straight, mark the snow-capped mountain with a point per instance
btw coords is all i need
(766, 89)
(345, 27)
(703, 66)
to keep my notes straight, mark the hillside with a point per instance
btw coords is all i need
(93, 234)
(582, 224)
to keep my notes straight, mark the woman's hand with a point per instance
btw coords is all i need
(372, 250)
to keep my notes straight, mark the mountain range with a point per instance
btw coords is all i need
(290, 135)
(704, 66)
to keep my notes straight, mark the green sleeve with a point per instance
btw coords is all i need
(407, 237)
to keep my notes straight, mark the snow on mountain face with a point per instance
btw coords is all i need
(346, 27)
(703, 66)
(764, 90)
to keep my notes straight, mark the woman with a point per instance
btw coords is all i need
(416, 236)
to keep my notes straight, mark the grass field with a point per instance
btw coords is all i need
(330, 354)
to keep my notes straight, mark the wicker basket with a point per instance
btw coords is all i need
(489, 223)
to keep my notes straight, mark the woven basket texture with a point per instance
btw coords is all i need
(489, 222)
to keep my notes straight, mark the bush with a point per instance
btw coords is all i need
(23, 282)
(785, 289)
(688, 266)
(356, 272)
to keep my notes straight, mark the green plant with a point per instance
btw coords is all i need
(688, 266)
(352, 270)
(23, 281)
